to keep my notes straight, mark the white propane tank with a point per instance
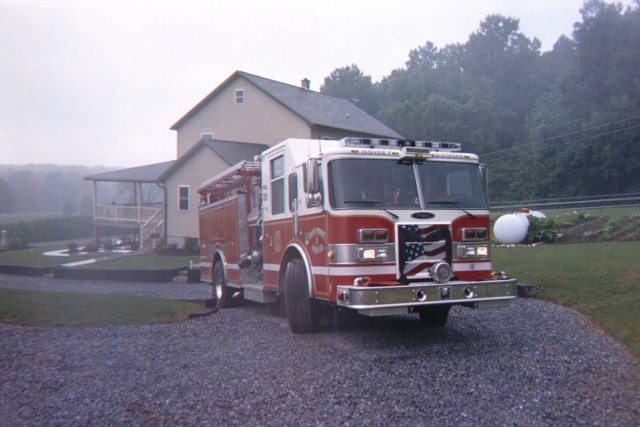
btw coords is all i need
(511, 228)
(524, 217)
(538, 214)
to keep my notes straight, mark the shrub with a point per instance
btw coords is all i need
(107, 245)
(92, 246)
(49, 229)
(541, 230)
(166, 248)
(191, 245)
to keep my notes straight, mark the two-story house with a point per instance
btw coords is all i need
(236, 121)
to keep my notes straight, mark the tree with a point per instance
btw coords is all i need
(497, 65)
(402, 116)
(599, 38)
(351, 84)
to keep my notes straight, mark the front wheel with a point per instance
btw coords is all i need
(302, 312)
(434, 316)
(221, 292)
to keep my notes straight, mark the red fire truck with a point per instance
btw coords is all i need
(379, 226)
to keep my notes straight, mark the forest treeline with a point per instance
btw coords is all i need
(561, 123)
(56, 189)
(46, 189)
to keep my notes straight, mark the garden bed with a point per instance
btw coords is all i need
(24, 270)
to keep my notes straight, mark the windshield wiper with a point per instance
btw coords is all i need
(370, 203)
(451, 204)
(390, 213)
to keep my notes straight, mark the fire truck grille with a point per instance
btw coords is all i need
(422, 246)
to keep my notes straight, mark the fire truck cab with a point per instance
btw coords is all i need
(379, 226)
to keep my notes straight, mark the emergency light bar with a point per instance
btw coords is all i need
(400, 143)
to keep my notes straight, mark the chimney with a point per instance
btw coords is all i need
(206, 136)
(305, 83)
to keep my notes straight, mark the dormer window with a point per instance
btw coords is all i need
(239, 96)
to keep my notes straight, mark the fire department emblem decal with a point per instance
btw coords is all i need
(277, 241)
(316, 238)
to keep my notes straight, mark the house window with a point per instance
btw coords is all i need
(183, 197)
(277, 186)
(239, 96)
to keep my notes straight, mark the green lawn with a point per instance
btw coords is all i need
(35, 257)
(75, 309)
(36, 308)
(600, 280)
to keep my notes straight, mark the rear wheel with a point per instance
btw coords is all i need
(434, 316)
(221, 292)
(302, 312)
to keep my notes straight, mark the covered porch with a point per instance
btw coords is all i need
(133, 200)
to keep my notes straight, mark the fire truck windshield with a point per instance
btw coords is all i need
(389, 184)
(447, 185)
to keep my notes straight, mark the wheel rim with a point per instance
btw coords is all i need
(218, 285)
(219, 290)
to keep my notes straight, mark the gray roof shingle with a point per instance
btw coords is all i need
(319, 109)
(147, 173)
(234, 152)
(230, 151)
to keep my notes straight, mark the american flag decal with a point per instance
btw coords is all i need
(421, 246)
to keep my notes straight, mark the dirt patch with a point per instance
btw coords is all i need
(595, 229)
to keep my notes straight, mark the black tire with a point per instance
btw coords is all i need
(221, 292)
(434, 316)
(302, 312)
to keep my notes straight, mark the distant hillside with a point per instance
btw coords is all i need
(47, 188)
(50, 168)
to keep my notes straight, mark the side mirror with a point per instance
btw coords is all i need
(311, 177)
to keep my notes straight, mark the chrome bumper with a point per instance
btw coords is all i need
(383, 300)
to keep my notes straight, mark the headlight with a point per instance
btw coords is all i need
(469, 251)
(373, 254)
(383, 253)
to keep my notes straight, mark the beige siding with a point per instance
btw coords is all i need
(260, 119)
(203, 165)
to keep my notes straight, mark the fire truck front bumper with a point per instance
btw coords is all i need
(388, 300)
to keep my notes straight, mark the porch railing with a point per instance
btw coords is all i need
(127, 214)
(149, 219)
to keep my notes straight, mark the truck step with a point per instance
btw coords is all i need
(256, 292)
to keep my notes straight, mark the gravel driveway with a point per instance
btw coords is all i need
(533, 363)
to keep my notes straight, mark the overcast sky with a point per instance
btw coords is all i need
(91, 82)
